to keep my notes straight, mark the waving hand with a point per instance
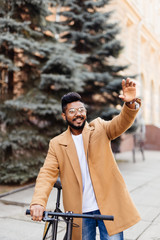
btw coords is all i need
(129, 90)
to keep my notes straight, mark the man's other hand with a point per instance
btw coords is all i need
(37, 212)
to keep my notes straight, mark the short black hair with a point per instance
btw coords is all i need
(68, 98)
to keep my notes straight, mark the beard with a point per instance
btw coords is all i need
(74, 126)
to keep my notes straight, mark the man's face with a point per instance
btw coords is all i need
(75, 115)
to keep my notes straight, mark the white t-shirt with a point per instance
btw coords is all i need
(89, 202)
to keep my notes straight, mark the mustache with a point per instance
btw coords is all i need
(74, 119)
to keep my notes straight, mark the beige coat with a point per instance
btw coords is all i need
(110, 190)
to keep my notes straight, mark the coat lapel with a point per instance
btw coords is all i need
(72, 154)
(67, 140)
(73, 157)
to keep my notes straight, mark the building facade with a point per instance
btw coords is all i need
(140, 35)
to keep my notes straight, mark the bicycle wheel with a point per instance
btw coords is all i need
(47, 233)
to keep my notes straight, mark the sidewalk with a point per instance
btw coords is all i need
(142, 179)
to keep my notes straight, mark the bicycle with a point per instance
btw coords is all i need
(51, 219)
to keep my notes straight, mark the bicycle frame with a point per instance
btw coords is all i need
(54, 223)
(53, 217)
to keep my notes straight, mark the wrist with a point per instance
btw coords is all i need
(134, 104)
(133, 101)
(138, 100)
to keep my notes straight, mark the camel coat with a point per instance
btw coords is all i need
(110, 190)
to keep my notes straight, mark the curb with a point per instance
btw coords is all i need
(17, 190)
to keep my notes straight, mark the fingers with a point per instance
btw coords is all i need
(123, 83)
(128, 83)
(121, 96)
(134, 84)
(128, 90)
(37, 212)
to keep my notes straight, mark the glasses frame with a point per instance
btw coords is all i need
(81, 110)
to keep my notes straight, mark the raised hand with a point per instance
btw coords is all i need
(129, 90)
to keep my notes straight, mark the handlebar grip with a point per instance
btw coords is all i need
(104, 217)
(28, 212)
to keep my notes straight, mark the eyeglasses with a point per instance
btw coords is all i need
(73, 111)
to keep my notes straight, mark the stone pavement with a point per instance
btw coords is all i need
(142, 179)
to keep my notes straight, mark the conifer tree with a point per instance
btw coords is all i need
(91, 30)
(37, 65)
(40, 68)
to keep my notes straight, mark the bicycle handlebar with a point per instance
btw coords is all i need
(46, 215)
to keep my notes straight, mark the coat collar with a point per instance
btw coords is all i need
(66, 137)
(67, 140)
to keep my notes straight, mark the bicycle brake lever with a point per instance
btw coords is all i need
(46, 217)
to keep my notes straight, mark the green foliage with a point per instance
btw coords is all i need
(43, 68)
(46, 70)
(94, 33)
(20, 172)
(26, 162)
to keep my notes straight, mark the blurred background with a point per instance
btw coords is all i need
(48, 48)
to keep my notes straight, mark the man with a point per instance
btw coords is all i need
(91, 180)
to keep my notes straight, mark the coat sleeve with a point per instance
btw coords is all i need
(46, 178)
(120, 123)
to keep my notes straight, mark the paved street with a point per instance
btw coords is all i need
(142, 179)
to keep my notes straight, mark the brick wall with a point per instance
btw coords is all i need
(126, 142)
(152, 140)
